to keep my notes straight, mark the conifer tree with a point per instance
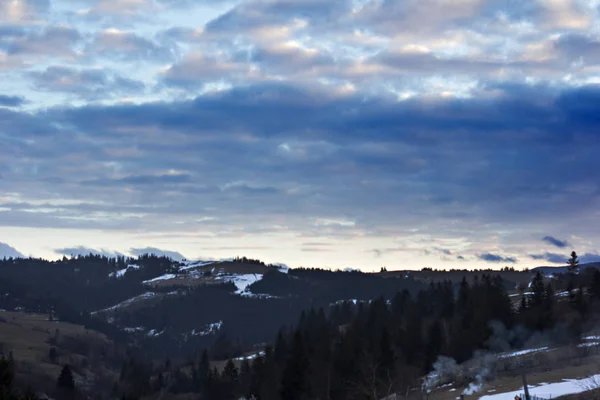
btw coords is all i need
(573, 263)
(65, 379)
(293, 381)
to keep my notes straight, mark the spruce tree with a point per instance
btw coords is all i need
(65, 379)
(573, 263)
(293, 380)
(538, 290)
(6, 378)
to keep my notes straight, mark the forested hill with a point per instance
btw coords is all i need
(241, 328)
(170, 308)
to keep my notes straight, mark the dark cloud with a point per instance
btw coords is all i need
(555, 242)
(550, 257)
(84, 251)
(496, 258)
(159, 252)
(161, 179)
(589, 257)
(7, 251)
(11, 101)
(315, 153)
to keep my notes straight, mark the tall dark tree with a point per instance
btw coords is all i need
(293, 381)
(65, 379)
(7, 375)
(573, 263)
(538, 290)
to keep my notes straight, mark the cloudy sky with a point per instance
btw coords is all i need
(347, 133)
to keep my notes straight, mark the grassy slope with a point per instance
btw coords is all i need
(31, 336)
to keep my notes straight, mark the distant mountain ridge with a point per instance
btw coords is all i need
(561, 270)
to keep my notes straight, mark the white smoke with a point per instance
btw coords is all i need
(473, 388)
(445, 370)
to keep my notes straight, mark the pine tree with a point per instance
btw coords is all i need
(230, 372)
(7, 375)
(65, 379)
(573, 263)
(538, 290)
(293, 381)
(595, 285)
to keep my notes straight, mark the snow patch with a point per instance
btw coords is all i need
(196, 264)
(588, 344)
(136, 329)
(241, 282)
(120, 273)
(127, 302)
(251, 357)
(161, 278)
(521, 352)
(155, 333)
(550, 390)
(209, 329)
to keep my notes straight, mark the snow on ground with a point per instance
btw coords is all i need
(136, 329)
(284, 269)
(591, 338)
(161, 278)
(209, 329)
(132, 300)
(550, 390)
(135, 299)
(521, 352)
(155, 333)
(518, 294)
(120, 273)
(353, 301)
(251, 356)
(588, 344)
(196, 264)
(241, 282)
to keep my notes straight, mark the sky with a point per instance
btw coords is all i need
(318, 133)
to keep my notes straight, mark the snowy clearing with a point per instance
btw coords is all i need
(196, 264)
(136, 329)
(522, 352)
(588, 344)
(120, 273)
(550, 390)
(161, 278)
(251, 356)
(210, 329)
(241, 282)
(518, 294)
(127, 302)
(155, 333)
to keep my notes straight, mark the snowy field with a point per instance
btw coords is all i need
(550, 390)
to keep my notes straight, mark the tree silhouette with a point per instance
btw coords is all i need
(65, 379)
(573, 263)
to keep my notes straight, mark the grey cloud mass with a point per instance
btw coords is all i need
(11, 101)
(496, 258)
(463, 127)
(555, 242)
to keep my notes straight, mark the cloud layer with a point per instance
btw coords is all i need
(384, 129)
